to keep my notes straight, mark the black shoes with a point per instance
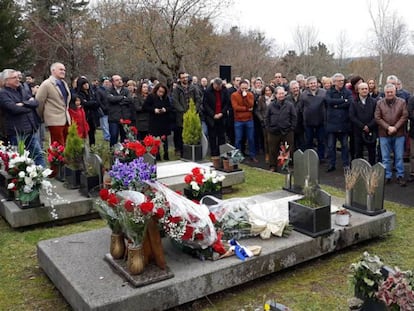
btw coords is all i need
(330, 169)
(401, 182)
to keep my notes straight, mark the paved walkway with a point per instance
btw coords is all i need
(393, 192)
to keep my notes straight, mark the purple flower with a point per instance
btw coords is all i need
(130, 175)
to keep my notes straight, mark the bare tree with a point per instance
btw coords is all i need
(343, 48)
(305, 37)
(391, 33)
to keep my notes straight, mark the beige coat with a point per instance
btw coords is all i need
(52, 108)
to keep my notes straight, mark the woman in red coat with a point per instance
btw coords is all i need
(77, 114)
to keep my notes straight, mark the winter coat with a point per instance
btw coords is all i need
(313, 108)
(159, 123)
(78, 116)
(280, 117)
(337, 110)
(142, 117)
(19, 119)
(209, 105)
(361, 115)
(391, 113)
(242, 105)
(120, 106)
(181, 104)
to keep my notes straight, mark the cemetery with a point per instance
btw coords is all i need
(98, 269)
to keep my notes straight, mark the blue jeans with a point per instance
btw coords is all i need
(32, 144)
(116, 129)
(396, 145)
(343, 139)
(246, 129)
(105, 127)
(318, 132)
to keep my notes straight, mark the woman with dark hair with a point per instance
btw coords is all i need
(158, 106)
(89, 104)
(78, 115)
(142, 122)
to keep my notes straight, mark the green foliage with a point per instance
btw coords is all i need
(191, 125)
(74, 148)
(15, 52)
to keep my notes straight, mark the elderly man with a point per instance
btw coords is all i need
(20, 115)
(215, 103)
(338, 99)
(54, 98)
(391, 115)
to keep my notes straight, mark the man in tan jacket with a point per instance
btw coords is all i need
(54, 97)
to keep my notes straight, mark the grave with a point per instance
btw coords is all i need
(75, 205)
(306, 167)
(76, 265)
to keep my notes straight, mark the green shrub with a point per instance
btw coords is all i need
(191, 126)
(74, 148)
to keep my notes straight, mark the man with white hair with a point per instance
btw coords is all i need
(54, 98)
(391, 115)
(20, 115)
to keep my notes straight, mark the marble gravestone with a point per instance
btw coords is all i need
(306, 166)
(367, 196)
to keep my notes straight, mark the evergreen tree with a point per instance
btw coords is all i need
(15, 52)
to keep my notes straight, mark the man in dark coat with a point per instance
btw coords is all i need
(364, 126)
(215, 102)
(120, 106)
(20, 115)
(338, 99)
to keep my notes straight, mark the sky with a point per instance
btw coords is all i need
(278, 20)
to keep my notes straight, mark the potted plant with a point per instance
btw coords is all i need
(73, 157)
(192, 132)
(366, 276)
(311, 214)
(342, 217)
(201, 182)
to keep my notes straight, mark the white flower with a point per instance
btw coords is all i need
(213, 174)
(33, 174)
(46, 184)
(221, 177)
(47, 172)
(28, 180)
(10, 186)
(194, 186)
(21, 174)
(30, 168)
(214, 180)
(28, 188)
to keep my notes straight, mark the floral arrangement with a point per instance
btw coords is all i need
(284, 157)
(131, 175)
(106, 205)
(202, 180)
(55, 154)
(28, 178)
(132, 148)
(397, 290)
(5, 154)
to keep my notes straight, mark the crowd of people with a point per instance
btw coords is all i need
(253, 115)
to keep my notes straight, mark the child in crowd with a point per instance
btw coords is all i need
(77, 114)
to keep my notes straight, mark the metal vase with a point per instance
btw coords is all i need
(348, 197)
(370, 202)
(288, 180)
(117, 247)
(135, 261)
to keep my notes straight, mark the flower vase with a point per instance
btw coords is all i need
(288, 180)
(370, 202)
(226, 165)
(55, 171)
(117, 246)
(348, 197)
(135, 261)
(30, 204)
(342, 219)
(60, 172)
(216, 162)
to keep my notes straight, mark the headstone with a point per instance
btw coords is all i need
(361, 200)
(96, 162)
(306, 165)
(149, 158)
(226, 148)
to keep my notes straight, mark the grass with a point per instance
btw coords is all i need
(320, 284)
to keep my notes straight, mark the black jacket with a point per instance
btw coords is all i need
(361, 115)
(159, 123)
(120, 106)
(209, 105)
(280, 117)
(337, 110)
(313, 108)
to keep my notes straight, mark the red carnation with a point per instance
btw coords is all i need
(199, 179)
(218, 246)
(146, 207)
(134, 130)
(149, 140)
(196, 171)
(129, 205)
(104, 194)
(199, 236)
(125, 121)
(160, 213)
(112, 200)
(163, 137)
(188, 233)
(188, 178)
(154, 150)
(139, 150)
(174, 220)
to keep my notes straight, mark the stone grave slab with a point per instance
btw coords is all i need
(76, 266)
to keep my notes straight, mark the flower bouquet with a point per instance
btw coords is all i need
(107, 207)
(284, 157)
(28, 178)
(132, 148)
(131, 175)
(55, 157)
(203, 181)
